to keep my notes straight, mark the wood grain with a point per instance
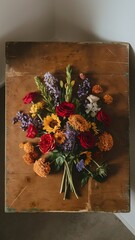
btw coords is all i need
(107, 64)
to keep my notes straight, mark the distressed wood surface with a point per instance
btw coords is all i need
(108, 64)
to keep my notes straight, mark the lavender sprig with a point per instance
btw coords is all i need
(69, 143)
(84, 88)
(26, 120)
(51, 84)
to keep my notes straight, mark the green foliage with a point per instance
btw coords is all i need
(77, 104)
(98, 178)
(85, 178)
(47, 98)
(69, 84)
(60, 160)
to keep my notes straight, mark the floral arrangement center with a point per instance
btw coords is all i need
(70, 129)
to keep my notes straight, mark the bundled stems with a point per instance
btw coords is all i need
(67, 181)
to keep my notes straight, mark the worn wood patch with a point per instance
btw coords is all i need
(109, 66)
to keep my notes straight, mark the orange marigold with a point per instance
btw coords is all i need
(41, 167)
(97, 89)
(28, 158)
(108, 99)
(28, 147)
(78, 122)
(105, 142)
(59, 137)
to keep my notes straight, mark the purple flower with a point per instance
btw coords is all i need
(69, 143)
(26, 120)
(84, 88)
(80, 165)
(52, 87)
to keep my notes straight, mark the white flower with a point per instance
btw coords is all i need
(92, 106)
(93, 98)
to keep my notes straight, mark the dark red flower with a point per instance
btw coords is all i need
(30, 97)
(65, 109)
(31, 131)
(103, 117)
(47, 143)
(86, 139)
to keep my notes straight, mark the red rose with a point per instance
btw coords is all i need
(47, 143)
(87, 140)
(103, 117)
(65, 109)
(30, 97)
(31, 131)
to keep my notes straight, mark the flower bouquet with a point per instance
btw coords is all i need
(69, 128)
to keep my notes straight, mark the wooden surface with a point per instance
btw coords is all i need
(108, 64)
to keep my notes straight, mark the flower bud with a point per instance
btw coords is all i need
(82, 76)
(73, 83)
(61, 84)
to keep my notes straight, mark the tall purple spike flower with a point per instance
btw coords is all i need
(84, 88)
(69, 143)
(52, 87)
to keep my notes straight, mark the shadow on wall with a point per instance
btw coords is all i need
(68, 31)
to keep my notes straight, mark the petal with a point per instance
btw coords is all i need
(92, 98)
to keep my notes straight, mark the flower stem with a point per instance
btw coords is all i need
(91, 174)
(70, 179)
(95, 163)
(40, 117)
(63, 179)
(66, 187)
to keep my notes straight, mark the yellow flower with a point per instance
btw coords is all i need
(51, 123)
(94, 128)
(78, 122)
(86, 157)
(36, 107)
(60, 137)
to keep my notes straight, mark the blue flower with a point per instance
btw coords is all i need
(80, 165)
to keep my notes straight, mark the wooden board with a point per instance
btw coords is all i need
(109, 65)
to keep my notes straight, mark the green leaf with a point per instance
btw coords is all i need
(46, 96)
(60, 160)
(99, 178)
(84, 180)
(41, 87)
(55, 151)
(71, 157)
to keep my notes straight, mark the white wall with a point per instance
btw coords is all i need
(73, 20)
(111, 20)
(24, 20)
